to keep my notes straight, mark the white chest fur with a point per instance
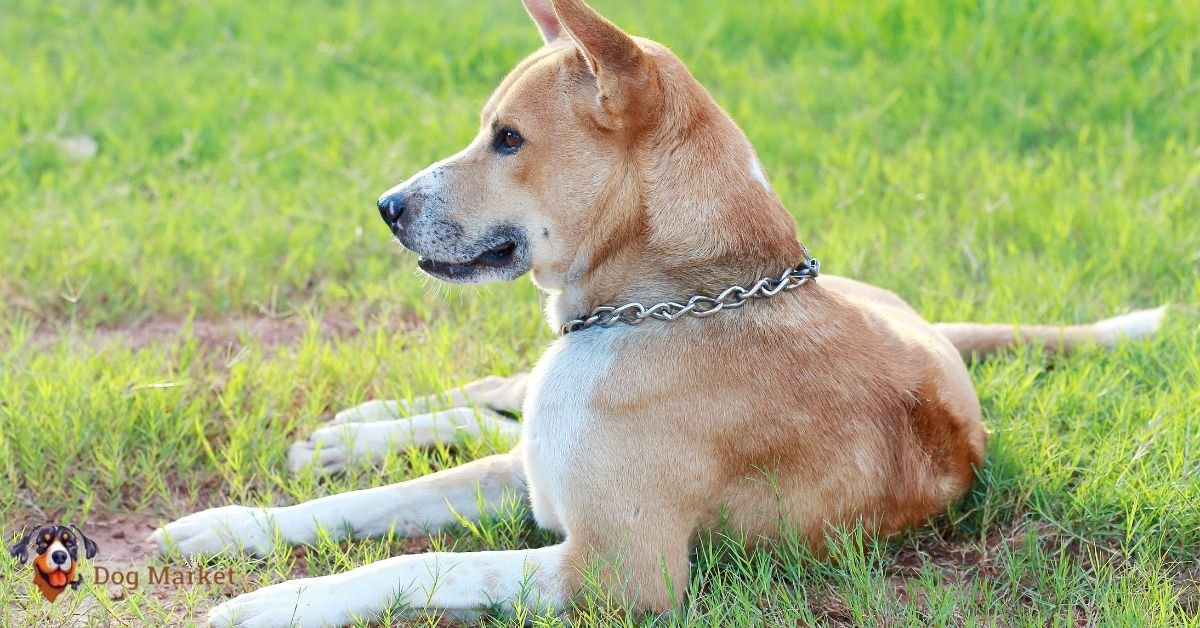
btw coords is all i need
(557, 416)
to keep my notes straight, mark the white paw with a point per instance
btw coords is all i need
(217, 530)
(336, 447)
(304, 602)
(332, 449)
(327, 455)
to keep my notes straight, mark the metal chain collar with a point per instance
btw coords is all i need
(699, 306)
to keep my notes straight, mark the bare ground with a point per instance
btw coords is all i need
(217, 335)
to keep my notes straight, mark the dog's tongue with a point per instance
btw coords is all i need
(58, 579)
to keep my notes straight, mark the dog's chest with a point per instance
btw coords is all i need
(558, 418)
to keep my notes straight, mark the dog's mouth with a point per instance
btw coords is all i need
(56, 578)
(502, 261)
(498, 256)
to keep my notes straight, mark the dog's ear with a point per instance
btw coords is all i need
(89, 546)
(542, 12)
(20, 549)
(621, 67)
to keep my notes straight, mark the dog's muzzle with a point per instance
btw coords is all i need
(500, 254)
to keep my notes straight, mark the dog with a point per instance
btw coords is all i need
(56, 556)
(705, 375)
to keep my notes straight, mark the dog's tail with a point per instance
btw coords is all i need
(982, 339)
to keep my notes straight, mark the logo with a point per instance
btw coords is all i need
(56, 552)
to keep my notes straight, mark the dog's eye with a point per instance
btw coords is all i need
(508, 141)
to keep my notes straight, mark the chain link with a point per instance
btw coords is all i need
(699, 306)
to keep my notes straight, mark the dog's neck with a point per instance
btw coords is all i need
(689, 212)
(736, 237)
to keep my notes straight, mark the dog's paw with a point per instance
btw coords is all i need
(333, 448)
(329, 449)
(303, 602)
(217, 530)
(336, 447)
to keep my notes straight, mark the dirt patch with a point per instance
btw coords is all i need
(121, 537)
(1187, 582)
(220, 335)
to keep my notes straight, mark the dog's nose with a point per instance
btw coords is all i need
(391, 209)
(59, 557)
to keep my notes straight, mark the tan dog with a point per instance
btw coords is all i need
(608, 173)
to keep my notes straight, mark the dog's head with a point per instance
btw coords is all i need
(55, 551)
(599, 150)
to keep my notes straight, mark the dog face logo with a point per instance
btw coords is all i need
(55, 556)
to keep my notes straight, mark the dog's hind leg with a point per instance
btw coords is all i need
(333, 448)
(371, 430)
(409, 508)
(503, 395)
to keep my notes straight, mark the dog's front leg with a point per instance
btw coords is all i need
(459, 584)
(409, 508)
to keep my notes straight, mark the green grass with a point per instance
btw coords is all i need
(988, 160)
